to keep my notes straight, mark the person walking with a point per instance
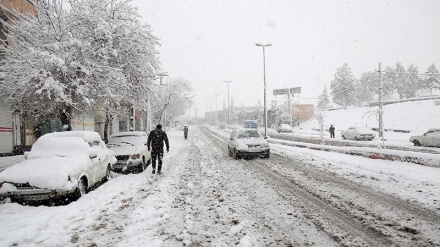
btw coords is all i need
(332, 131)
(185, 132)
(155, 141)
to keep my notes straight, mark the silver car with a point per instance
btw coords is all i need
(358, 134)
(61, 166)
(428, 139)
(131, 151)
(248, 143)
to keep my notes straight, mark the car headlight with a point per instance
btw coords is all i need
(135, 156)
(265, 145)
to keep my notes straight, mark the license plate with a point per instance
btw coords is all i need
(119, 166)
(36, 197)
(255, 146)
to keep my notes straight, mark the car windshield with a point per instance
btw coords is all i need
(248, 134)
(126, 140)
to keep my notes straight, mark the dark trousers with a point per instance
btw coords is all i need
(332, 134)
(156, 155)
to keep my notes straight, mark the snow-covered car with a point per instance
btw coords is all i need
(429, 139)
(248, 143)
(131, 151)
(60, 166)
(358, 134)
(284, 128)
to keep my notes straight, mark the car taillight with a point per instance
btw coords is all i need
(135, 156)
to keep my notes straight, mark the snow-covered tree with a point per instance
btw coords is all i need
(175, 98)
(94, 56)
(367, 86)
(412, 82)
(431, 79)
(343, 87)
(324, 99)
(320, 117)
(389, 77)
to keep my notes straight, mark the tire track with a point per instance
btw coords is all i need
(380, 219)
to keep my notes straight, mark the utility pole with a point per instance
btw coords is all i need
(216, 122)
(380, 104)
(229, 110)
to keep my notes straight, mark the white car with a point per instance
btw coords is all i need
(248, 143)
(60, 166)
(428, 139)
(358, 134)
(131, 151)
(284, 128)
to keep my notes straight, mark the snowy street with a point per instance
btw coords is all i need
(298, 197)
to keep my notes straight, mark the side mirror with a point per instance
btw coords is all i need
(232, 138)
(26, 154)
(93, 154)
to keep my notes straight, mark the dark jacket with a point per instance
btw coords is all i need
(332, 129)
(156, 139)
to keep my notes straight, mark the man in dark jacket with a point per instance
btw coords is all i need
(155, 144)
(332, 131)
(185, 132)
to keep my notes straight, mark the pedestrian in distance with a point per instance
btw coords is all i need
(185, 132)
(332, 131)
(155, 141)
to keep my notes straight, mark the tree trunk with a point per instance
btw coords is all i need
(66, 118)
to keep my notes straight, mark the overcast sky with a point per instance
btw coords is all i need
(208, 42)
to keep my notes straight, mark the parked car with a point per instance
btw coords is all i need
(60, 166)
(248, 143)
(284, 128)
(358, 134)
(429, 139)
(131, 151)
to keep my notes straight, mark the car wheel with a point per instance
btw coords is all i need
(267, 155)
(229, 152)
(236, 156)
(81, 189)
(107, 175)
(343, 137)
(417, 143)
(356, 138)
(143, 165)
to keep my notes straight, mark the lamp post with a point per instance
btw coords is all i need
(216, 124)
(229, 111)
(264, 74)
(210, 110)
(160, 76)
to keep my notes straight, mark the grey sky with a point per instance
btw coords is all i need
(208, 42)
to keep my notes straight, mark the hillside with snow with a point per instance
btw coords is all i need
(416, 117)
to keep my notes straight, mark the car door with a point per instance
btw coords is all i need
(431, 139)
(232, 140)
(147, 153)
(351, 133)
(100, 162)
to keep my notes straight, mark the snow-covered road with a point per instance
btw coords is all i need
(298, 197)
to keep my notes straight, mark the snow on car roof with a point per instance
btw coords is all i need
(88, 136)
(129, 133)
(56, 145)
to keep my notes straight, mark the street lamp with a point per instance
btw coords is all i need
(216, 123)
(229, 111)
(160, 76)
(264, 73)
